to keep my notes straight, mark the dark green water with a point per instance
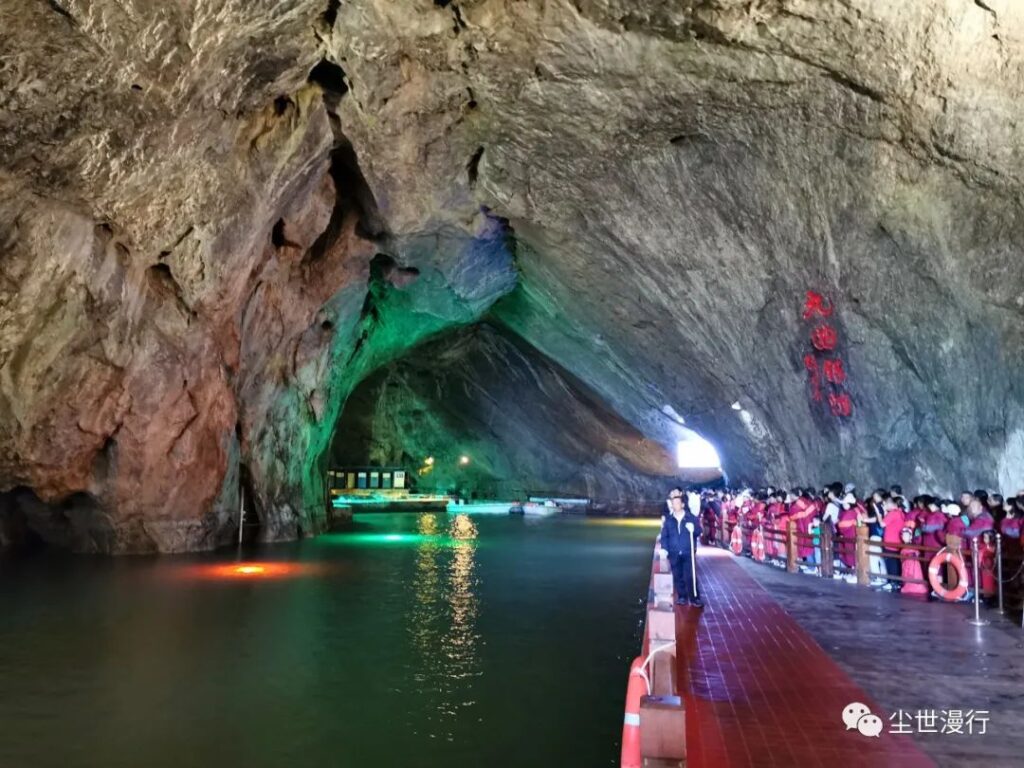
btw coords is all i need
(415, 640)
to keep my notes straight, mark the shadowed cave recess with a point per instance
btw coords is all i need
(554, 237)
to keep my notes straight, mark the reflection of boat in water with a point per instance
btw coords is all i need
(479, 507)
(536, 509)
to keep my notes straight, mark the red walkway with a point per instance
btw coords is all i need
(759, 691)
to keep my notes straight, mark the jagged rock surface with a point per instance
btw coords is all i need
(526, 426)
(217, 217)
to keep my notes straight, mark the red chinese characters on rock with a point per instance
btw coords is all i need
(840, 404)
(825, 341)
(834, 371)
(824, 338)
(815, 306)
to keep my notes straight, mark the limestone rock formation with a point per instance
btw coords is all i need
(525, 425)
(218, 217)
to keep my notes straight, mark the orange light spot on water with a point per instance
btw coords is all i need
(254, 571)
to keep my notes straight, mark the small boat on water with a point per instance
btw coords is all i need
(536, 509)
(389, 502)
(568, 504)
(479, 507)
(562, 501)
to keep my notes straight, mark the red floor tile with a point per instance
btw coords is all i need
(760, 691)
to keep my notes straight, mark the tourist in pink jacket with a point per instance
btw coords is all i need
(892, 526)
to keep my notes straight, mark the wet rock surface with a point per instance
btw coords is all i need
(217, 218)
(526, 426)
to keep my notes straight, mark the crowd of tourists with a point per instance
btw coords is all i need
(909, 531)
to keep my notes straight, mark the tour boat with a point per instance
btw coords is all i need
(479, 507)
(562, 501)
(537, 509)
(389, 502)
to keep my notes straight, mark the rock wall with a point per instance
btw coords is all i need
(678, 175)
(217, 217)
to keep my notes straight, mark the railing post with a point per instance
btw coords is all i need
(241, 512)
(861, 555)
(977, 620)
(827, 565)
(791, 546)
(999, 570)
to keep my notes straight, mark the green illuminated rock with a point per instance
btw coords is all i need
(525, 425)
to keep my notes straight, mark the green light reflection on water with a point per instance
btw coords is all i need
(432, 530)
(384, 539)
(443, 610)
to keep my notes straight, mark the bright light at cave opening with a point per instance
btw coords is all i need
(697, 453)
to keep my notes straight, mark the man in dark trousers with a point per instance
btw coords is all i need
(680, 532)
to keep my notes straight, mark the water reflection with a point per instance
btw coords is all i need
(443, 619)
(409, 641)
(462, 600)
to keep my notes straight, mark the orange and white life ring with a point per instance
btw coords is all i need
(736, 540)
(636, 688)
(757, 544)
(942, 557)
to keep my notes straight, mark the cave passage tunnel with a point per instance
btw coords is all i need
(478, 413)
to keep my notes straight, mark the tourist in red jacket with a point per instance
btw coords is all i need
(802, 511)
(911, 567)
(957, 522)
(980, 520)
(1010, 526)
(850, 514)
(892, 526)
(933, 529)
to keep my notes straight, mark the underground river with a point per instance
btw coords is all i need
(411, 640)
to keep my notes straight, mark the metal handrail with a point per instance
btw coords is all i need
(889, 550)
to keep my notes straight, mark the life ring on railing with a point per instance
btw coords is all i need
(635, 688)
(757, 545)
(942, 557)
(736, 540)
